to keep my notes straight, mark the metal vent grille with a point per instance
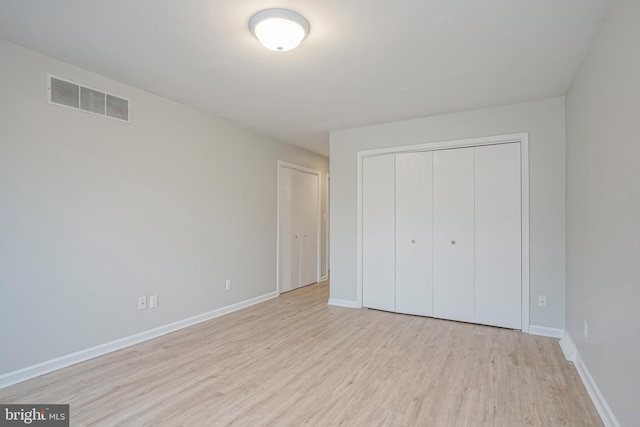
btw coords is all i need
(117, 108)
(92, 101)
(73, 95)
(64, 93)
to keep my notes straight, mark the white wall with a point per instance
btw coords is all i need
(543, 120)
(603, 210)
(95, 213)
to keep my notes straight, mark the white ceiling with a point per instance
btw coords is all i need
(364, 61)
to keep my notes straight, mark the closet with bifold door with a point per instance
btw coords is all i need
(298, 227)
(442, 233)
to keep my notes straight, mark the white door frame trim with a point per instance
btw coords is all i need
(522, 138)
(281, 165)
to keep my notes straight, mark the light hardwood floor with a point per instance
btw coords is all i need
(295, 361)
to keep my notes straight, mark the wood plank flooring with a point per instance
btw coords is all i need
(295, 361)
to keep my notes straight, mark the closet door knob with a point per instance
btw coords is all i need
(453, 242)
(413, 240)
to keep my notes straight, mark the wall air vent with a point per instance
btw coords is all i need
(73, 95)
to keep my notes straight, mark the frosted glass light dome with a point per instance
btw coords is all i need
(279, 29)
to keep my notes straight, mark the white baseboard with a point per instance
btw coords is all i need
(545, 331)
(568, 347)
(33, 371)
(343, 303)
(324, 278)
(608, 418)
(571, 353)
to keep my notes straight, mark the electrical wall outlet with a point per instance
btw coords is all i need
(586, 329)
(542, 301)
(142, 303)
(227, 284)
(153, 301)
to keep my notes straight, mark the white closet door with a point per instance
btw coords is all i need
(378, 232)
(498, 236)
(298, 215)
(453, 186)
(307, 194)
(298, 228)
(414, 233)
(288, 255)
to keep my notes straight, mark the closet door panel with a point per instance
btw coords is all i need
(298, 228)
(308, 227)
(453, 186)
(414, 233)
(378, 232)
(498, 270)
(287, 271)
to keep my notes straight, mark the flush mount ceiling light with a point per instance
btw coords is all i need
(279, 29)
